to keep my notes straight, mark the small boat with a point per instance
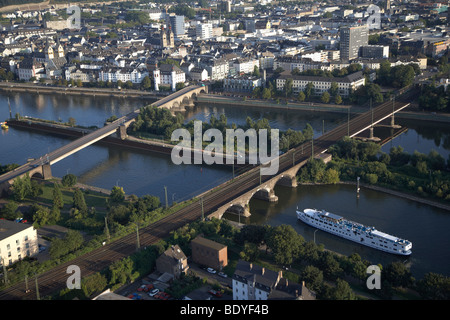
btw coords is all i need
(4, 126)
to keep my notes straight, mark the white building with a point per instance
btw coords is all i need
(168, 74)
(114, 74)
(346, 85)
(17, 241)
(253, 282)
(246, 65)
(241, 84)
(204, 31)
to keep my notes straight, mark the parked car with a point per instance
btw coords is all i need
(153, 292)
(215, 293)
(163, 296)
(210, 270)
(223, 275)
(145, 287)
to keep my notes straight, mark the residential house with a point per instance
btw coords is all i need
(209, 253)
(253, 282)
(172, 261)
(29, 68)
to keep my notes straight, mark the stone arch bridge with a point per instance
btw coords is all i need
(182, 98)
(265, 191)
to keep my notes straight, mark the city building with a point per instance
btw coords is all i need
(209, 253)
(351, 40)
(241, 83)
(177, 23)
(375, 52)
(346, 85)
(17, 241)
(253, 282)
(168, 74)
(204, 31)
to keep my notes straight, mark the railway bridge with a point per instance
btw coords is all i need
(262, 187)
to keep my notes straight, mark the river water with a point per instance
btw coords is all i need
(143, 173)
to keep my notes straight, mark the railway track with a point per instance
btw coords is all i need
(54, 280)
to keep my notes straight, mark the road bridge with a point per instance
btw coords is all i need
(41, 167)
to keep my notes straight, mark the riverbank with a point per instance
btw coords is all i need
(238, 101)
(103, 92)
(400, 194)
(219, 99)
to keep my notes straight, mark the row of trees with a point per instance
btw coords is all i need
(399, 76)
(161, 122)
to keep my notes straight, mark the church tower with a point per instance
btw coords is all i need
(49, 54)
(59, 49)
(163, 38)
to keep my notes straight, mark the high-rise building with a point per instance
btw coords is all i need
(203, 30)
(177, 23)
(352, 39)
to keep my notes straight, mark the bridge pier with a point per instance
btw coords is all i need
(122, 132)
(268, 195)
(46, 172)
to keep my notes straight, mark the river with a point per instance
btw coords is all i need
(143, 173)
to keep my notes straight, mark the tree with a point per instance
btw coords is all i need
(334, 89)
(313, 278)
(266, 94)
(93, 284)
(342, 291)
(434, 287)
(72, 121)
(338, 99)
(397, 274)
(42, 216)
(301, 96)
(309, 90)
(69, 180)
(256, 72)
(285, 244)
(117, 194)
(146, 83)
(9, 211)
(79, 201)
(325, 97)
(21, 187)
(287, 89)
(57, 197)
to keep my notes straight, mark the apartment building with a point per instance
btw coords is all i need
(17, 241)
(346, 85)
(352, 39)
